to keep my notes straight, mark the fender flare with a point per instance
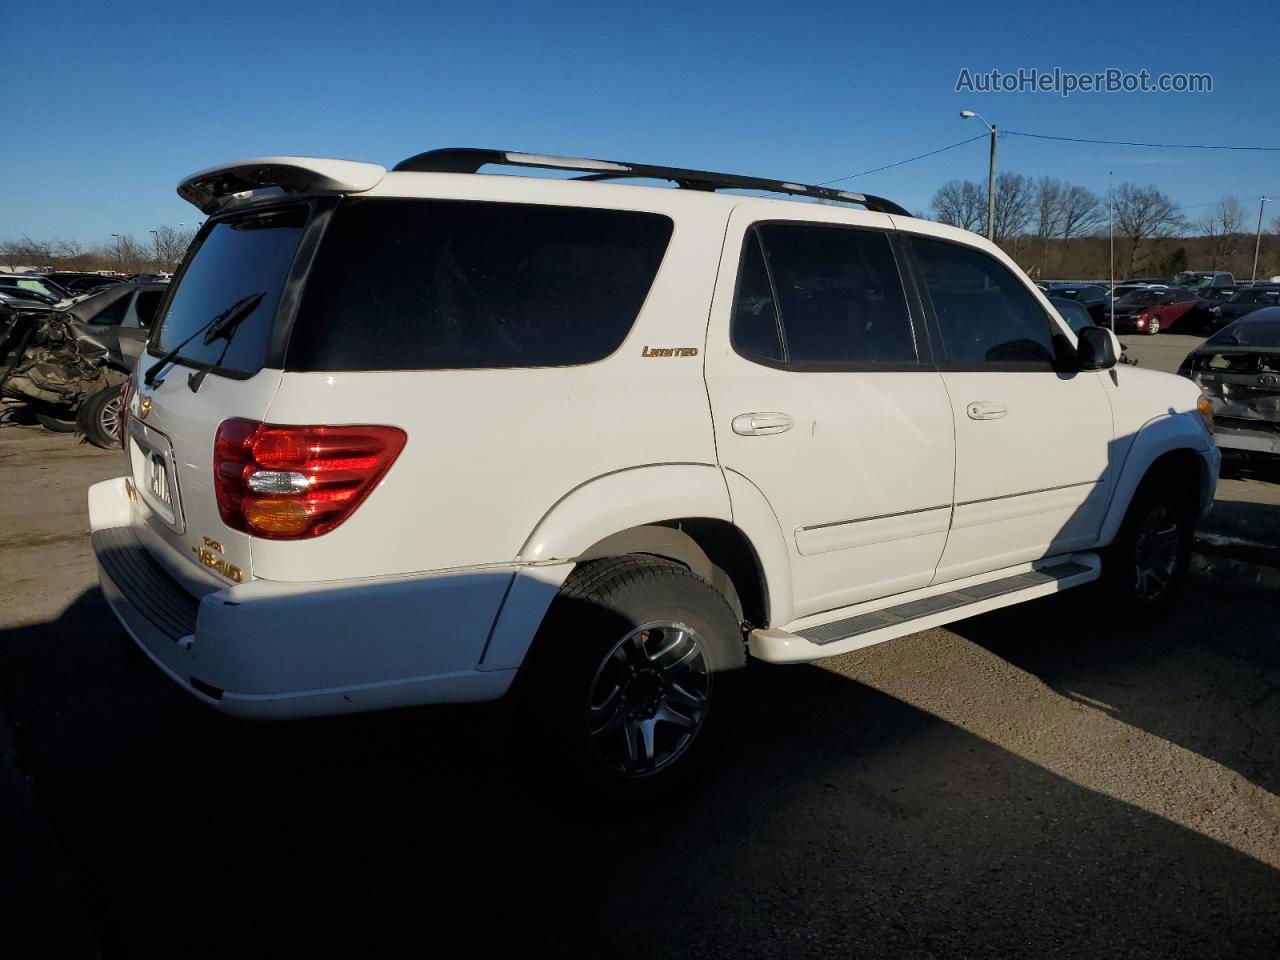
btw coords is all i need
(1163, 434)
(626, 498)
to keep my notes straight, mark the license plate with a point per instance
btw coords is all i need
(158, 479)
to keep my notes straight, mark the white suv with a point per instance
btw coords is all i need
(406, 437)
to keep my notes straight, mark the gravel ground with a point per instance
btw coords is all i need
(1031, 782)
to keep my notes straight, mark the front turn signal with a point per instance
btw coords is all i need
(1205, 409)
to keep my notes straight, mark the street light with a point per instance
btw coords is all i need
(991, 175)
(1257, 244)
(119, 256)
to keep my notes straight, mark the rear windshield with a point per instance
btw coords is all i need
(444, 284)
(236, 259)
(1262, 332)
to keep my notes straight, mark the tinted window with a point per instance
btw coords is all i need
(754, 331)
(985, 313)
(114, 311)
(1075, 315)
(837, 291)
(1263, 332)
(239, 257)
(144, 307)
(441, 284)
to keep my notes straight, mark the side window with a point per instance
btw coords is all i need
(113, 313)
(986, 315)
(835, 289)
(144, 307)
(754, 331)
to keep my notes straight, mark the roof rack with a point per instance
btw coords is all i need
(471, 159)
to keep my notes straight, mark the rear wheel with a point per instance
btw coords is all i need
(1145, 567)
(56, 419)
(635, 671)
(99, 418)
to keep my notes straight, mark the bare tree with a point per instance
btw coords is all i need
(1223, 228)
(1079, 212)
(169, 246)
(1143, 214)
(1013, 205)
(960, 203)
(1047, 214)
(125, 254)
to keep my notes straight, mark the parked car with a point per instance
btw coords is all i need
(1203, 279)
(1092, 298)
(1152, 309)
(589, 434)
(75, 358)
(29, 281)
(1122, 290)
(1238, 369)
(76, 283)
(1245, 301)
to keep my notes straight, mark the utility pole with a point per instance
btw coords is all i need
(991, 175)
(1257, 244)
(1111, 232)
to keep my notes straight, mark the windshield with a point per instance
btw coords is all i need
(241, 256)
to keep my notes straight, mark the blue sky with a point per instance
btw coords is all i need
(115, 102)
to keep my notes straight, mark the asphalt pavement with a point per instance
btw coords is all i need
(1034, 782)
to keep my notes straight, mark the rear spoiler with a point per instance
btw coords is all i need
(211, 189)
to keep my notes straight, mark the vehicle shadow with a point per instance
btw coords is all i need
(840, 820)
(1207, 679)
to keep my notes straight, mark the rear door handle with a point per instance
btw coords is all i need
(986, 410)
(761, 424)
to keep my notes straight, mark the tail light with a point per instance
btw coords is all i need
(123, 428)
(294, 482)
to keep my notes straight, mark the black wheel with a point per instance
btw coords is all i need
(635, 670)
(1144, 568)
(99, 418)
(56, 419)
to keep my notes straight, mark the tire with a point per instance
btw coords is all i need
(52, 420)
(99, 418)
(1153, 327)
(1143, 570)
(635, 673)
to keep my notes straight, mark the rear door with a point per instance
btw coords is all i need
(825, 397)
(171, 425)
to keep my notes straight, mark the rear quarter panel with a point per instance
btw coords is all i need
(490, 452)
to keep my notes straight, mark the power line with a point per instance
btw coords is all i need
(1130, 143)
(898, 163)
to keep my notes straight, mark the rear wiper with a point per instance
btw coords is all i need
(222, 325)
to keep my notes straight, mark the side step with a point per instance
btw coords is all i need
(967, 599)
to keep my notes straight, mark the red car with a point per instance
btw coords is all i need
(1153, 309)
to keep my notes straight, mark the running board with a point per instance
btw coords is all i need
(967, 599)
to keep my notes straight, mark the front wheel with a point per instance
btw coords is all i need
(635, 671)
(1153, 327)
(1143, 570)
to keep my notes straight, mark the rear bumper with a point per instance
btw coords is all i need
(269, 649)
(1241, 439)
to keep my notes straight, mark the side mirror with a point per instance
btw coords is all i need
(1096, 348)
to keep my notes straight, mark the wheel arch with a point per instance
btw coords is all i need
(1171, 446)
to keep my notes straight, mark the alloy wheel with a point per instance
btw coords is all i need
(648, 699)
(1155, 553)
(109, 418)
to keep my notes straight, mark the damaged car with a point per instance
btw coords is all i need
(1238, 370)
(68, 364)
